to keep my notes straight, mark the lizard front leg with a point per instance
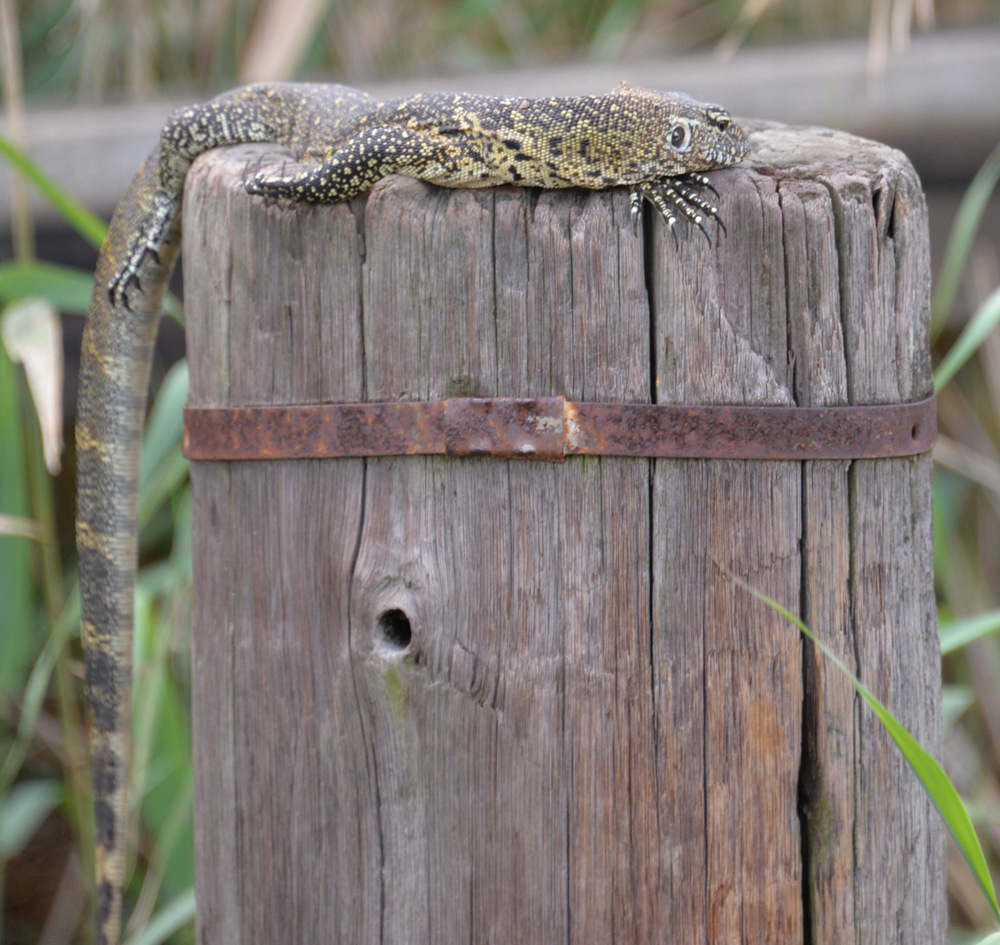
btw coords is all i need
(352, 170)
(676, 195)
(375, 152)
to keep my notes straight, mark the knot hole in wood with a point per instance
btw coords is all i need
(394, 628)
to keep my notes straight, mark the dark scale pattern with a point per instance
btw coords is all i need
(105, 772)
(655, 143)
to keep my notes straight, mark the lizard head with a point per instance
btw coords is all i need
(685, 135)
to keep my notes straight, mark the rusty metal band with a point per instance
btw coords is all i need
(552, 428)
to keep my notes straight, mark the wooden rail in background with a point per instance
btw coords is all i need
(447, 700)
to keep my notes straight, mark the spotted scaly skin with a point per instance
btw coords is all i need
(657, 144)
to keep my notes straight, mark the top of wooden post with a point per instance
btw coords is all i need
(817, 294)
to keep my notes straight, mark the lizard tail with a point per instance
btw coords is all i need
(114, 372)
(133, 269)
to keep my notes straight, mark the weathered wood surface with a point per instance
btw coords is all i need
(594, 734)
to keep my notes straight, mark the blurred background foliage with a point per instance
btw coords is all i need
(91, 48)
(70, 51)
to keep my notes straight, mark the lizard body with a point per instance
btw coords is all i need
(657, 144)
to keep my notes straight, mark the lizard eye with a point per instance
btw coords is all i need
(723, 123)
(680, 137)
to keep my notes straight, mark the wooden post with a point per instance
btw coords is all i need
(473, 700)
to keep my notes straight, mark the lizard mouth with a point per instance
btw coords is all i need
(727, 158)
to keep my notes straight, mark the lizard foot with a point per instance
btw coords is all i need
(298, 182)
(150, 239)
(676, 197)
(340, 177)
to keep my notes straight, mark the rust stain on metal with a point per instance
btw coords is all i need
(315, 431)
(550, 428)
(572, 432)
(505, 427)
(737, 432)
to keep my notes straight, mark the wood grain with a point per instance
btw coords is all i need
(593, 733)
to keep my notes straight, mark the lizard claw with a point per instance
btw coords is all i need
(676, 197)
(672, 223)
(699, 220)
(635, 202)
(698, 180)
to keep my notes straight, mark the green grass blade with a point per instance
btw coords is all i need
(91, 227)
(19, 639)
(956, 700)
(172, 917)
(961, 632)
(937, 784)
(973, 335)
(165, 425)
(36, 689)
(67, 289)
(23, 810)
(963, 232)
